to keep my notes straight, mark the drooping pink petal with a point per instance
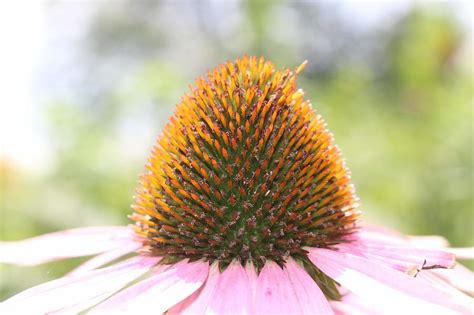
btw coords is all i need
(288, 291)
(233, 293)
(377, 234)
(229, 292)
(64, 244)
(312, 299)
(159, 292)
(398, 251)
(429, 241)
(67, 293)
(381, 234)
(179, 308)
(80, 307)
(341, 308)
(423, 257)
(383, 286)
(274, 292)
(105, 258)
(459, 277)
(397, 264)
(199, 300)
(353, 305)
(401, 257)
(442, 285)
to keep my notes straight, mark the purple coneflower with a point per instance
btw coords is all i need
(246, 208)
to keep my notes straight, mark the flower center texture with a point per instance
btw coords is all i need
(245, 170)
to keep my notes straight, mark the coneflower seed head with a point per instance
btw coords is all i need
(245, 170)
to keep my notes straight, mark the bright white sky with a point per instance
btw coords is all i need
(34, 34)
(24, 34)
(20, 50)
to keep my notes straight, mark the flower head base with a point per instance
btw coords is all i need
(246, 171)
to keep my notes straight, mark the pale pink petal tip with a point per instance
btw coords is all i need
(354, 305)
(72, 294)
(459, 277)
(463, 253)
(429, 241)
(380, 285)
(403, 253)
(170, 285)
(65, 244)
(105, 258)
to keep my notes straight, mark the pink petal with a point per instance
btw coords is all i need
(312, 299)
(289, 291)
(179, 308)
(341, 308)
(383, 286)
(199, 300)
(421, 257)
(80, 307)
(229, 292)
(274, 292)
(460, 277)
(234, 294)
(68, 292)
(353, 305)
(429, 241)
(64, 244)
(401, 257)
(377, 234)
(105, 258)
(397, 264)
(397, 251)
(159, 292)
(381, 234)
(441, 285)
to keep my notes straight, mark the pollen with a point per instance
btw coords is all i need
(245, 170)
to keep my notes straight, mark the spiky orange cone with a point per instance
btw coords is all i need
(245, 171)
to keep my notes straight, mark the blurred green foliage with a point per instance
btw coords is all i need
(398, 99)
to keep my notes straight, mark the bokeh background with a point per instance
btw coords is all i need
(88, 85)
